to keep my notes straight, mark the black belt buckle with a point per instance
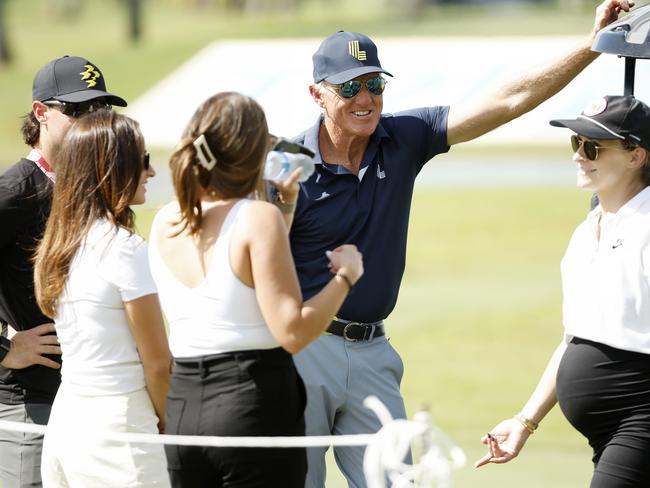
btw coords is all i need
(364, 327)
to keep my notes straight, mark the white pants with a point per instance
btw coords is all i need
(73, 458)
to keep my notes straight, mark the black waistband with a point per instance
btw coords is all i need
(356, 331)
(201, 362)
(613, 352)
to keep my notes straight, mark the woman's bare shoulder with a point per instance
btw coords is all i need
(260, 217)
(167, 217)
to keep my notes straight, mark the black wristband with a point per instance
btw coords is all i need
(5, 346)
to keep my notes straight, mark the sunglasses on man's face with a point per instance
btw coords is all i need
(77, 109)
(590, 148)
(352, 88)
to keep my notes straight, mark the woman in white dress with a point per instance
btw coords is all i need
(92, 276)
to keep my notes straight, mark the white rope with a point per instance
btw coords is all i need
(385, 454)
(383, 460)
(206, 441)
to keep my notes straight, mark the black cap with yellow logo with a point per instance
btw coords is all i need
(72, 79)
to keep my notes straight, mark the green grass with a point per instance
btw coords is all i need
(478, 315)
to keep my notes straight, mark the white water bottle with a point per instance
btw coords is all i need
(279, 165)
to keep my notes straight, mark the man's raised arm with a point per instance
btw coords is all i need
(527, 91)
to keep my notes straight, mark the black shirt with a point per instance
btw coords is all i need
(25, 200)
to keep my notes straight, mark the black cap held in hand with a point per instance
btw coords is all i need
(72, 79)
(344, 56)
(613, 117)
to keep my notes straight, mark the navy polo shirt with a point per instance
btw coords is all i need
(335, 208)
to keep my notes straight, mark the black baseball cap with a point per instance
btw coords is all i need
(72, 79)
(612, 117)
(344, 56)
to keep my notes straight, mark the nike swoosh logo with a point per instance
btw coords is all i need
(323, 196)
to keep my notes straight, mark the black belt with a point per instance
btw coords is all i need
(204, 364)
(356, 331)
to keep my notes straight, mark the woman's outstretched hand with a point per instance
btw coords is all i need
(503, 442)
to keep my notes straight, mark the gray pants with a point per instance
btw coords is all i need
(338, 376)
(20, 453)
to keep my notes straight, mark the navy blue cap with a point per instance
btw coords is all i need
(620, 117)
(344, 56)
(72, 79)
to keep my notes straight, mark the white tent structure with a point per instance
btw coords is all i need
(427, 71)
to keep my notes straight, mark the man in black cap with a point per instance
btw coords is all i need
(63, 90)
(360, 193)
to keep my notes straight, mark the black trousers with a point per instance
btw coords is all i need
(605, 394)
(246, 393)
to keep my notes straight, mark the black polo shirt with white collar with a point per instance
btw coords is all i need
(25, 200)
(336, 207)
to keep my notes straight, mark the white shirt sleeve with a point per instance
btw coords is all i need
(127, 267)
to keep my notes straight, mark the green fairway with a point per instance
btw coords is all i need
(478, 316)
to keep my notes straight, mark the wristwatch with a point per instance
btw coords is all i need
(5, 346)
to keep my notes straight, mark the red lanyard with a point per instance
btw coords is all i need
(36, 156)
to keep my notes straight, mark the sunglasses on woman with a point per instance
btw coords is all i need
(76, 110)
(351, 88)
(590, 148)
(145, 161)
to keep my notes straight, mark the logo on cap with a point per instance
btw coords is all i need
(596, 107)
(90, 76)
(353, 49)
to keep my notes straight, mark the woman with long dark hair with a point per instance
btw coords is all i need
(228, 287)
(600, 372)
(92, 276)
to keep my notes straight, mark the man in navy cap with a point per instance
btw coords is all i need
(63, 90)
(361, 193)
